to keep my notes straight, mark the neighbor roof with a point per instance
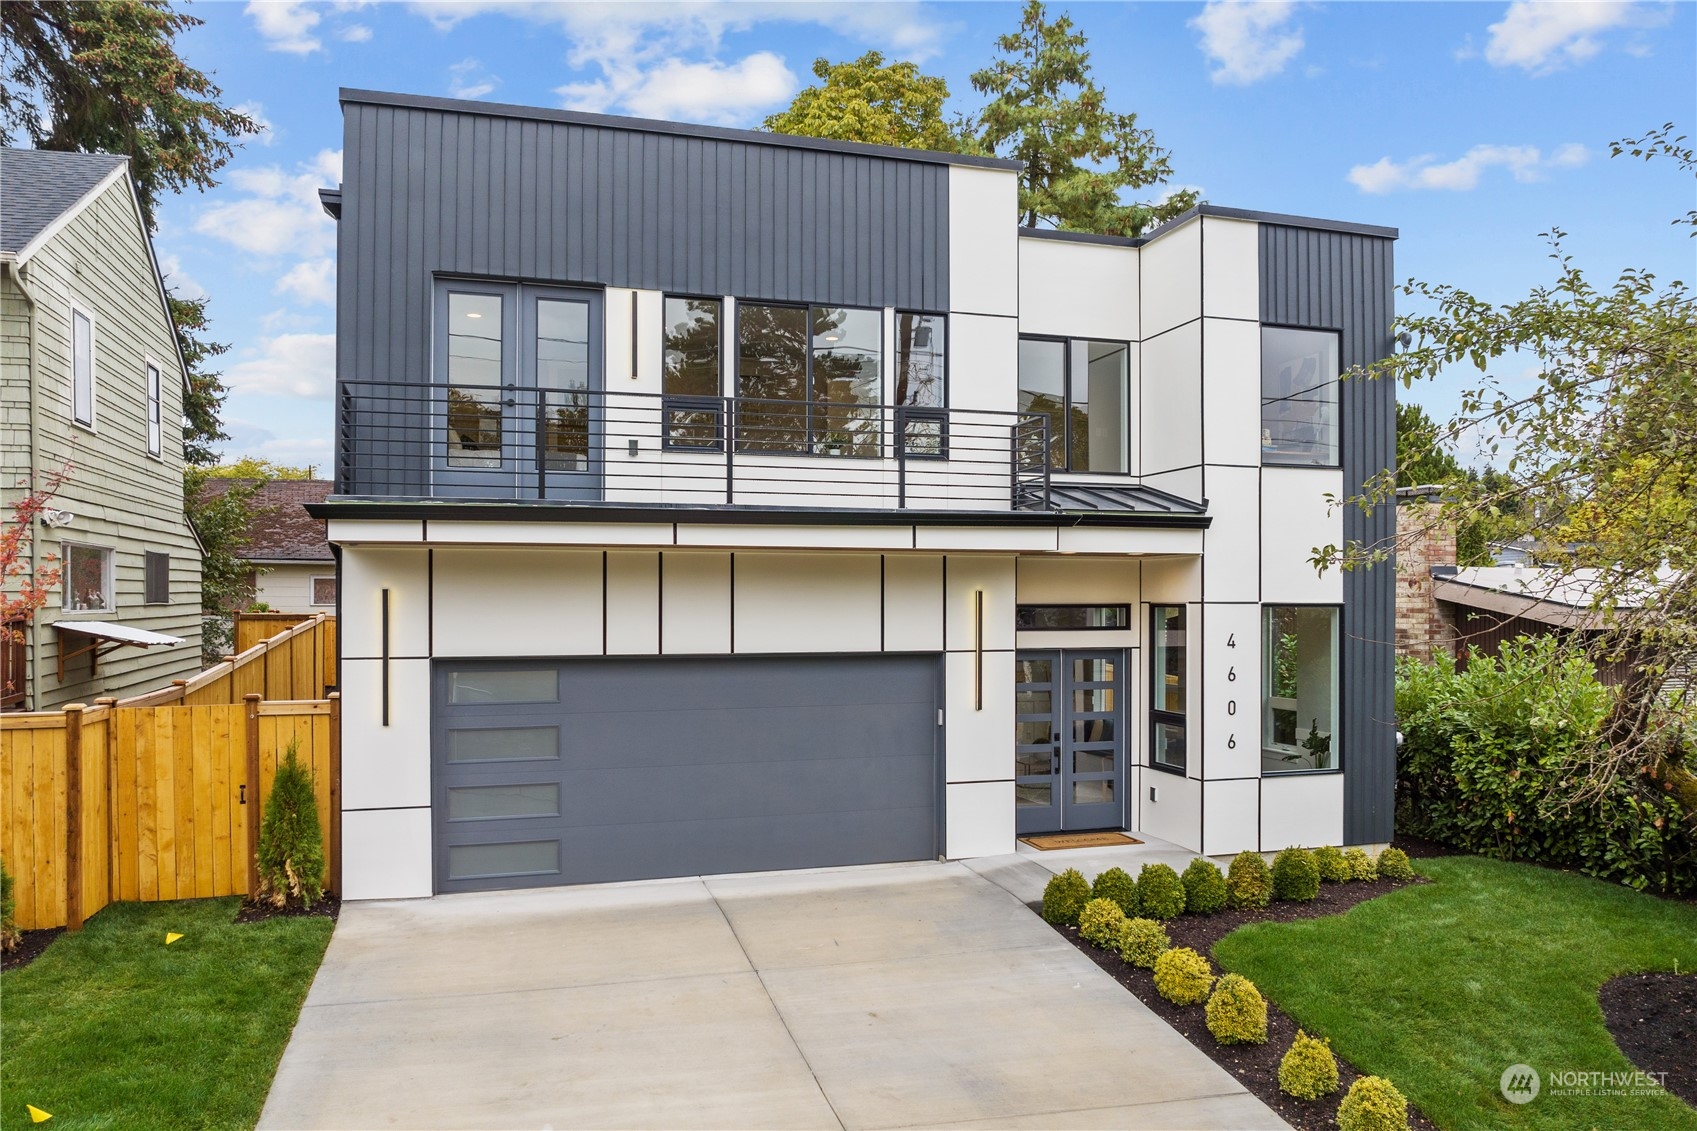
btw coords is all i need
(281, 530)
(37, 186)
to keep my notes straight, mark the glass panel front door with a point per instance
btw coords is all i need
(1069, 740)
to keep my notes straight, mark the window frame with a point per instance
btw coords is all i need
(1338, 678)
(312, 590)
(1337, 402)
(693, 402)
(153, 378)
(1159, 716)
(78, 310)
(148, 559)
(1066, 342)
(921, 414)
(1124, 606)
(107, 583)
(813, 432)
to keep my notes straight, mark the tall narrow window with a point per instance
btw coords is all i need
(1082, 388)
(82, 368)
(156, 578)
(1168, 680)
(690, 371)
(1299, 396)
(1300, 693)
(921, 391)
(561, 349)
(847, 348)
(474, 365)
(154, 431)
(772, 377)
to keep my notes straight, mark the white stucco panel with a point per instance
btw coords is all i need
(385, 766)
(1172, 279)
(633, 603)
(913, 603)
(978, 819)
(1077, 290)
(979, 740)
(967, 575)
(695, 603)
(983, 256)
(1172, 400)
(1229, 667)
(806, 602)
(1231, 392)
(386, 854)
(1295, 520)
(1301, 809)
(1229, 817)
(1175, 811)
(1231, 564)
(983, 368)
(366, 572)
(518, 602)
(1231, 268)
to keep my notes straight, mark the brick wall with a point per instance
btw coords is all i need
(1422, 622)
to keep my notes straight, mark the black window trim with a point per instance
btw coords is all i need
(736, 398)
(1261, 353)
(1066, 409)
(1338, 752)
(1157, 715)
(691, 402)
(1127, 627)
(921, 413)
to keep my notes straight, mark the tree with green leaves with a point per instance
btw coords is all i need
(871, 101)
(256, 467)
(1079, 157)
(222, 516)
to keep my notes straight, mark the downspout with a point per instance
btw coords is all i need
(15, 269)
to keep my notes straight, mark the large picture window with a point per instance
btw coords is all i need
(1081, 386)
(809, 379)
(1169, 683)
(1299, 396)
(1299, 666)
(690, 371)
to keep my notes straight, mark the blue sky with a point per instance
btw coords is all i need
(1472, 127)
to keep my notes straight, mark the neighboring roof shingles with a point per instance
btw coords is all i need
(37, 186)
(281, 529)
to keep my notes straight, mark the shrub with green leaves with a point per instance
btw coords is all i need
(1308, 1070)
(1248, 883)
(1334, 869)
(1204, 887)
(1183, 977)
(1142, 941)
(1373, 1104)
(1361, 865)
(1237, 1013)
(291, 841)
(1100, 922)
(1296, 878)
(1160, 893)
(1116, 884)
(9, 937)
(1393, 865)
(1064, 897)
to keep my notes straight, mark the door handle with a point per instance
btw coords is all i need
(1055, 763)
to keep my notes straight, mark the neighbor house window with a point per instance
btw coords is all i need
(87, 580)
(82, 368)
(689, 373)
(809, 379)
(324, 590)
(1168, 681)
(1082, 388)
(1299, 396)
(1039, 617)
(155, 433)
(156, 578)
(1300, 694)
(920, 389)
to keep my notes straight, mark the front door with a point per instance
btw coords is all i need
(1069, 740)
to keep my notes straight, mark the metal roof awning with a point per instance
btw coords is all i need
(1117, 498)
(105, 637)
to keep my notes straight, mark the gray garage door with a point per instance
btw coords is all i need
(565, 772)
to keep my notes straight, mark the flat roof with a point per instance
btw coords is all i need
(1282, 219)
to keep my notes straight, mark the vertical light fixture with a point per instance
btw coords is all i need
(385, 657)
(978, 649)
(633, 335)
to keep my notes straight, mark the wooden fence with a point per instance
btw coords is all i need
(297, 660)
(112, 802)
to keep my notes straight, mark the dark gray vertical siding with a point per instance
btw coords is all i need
(1340, 281)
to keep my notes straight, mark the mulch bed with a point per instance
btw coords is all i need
(30, 945)
(1255, 1066)
(330, 907)
(1653, 1018)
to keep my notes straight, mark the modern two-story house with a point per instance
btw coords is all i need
(91, 386)
(710, 500)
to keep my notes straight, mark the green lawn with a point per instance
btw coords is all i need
(1442, 986)
(112, 1028)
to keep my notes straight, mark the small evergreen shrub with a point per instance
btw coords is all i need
(1373, 1104)
(291, 842)
(1117, 885)
(1309, 1070)
(1100, 922)
(1142, 941)
(1183, 977)
(1296, 878)
(1334, 869)
(1237, 1013)
(1204, 887)
(9, 937)
(1393, 865)
(1160, 893)
(1064, 897)
(1360, 865)
(1248, 883)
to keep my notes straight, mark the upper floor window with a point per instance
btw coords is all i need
(690, 371)
(475, 371)
(921, 388)
(155, 433)
(1082, 387)
(87, 578)
(825, 362)
(1299, 396)
(82, 367)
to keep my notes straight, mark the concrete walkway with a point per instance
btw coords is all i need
(914, 995)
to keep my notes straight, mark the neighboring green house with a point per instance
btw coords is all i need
(90, 377)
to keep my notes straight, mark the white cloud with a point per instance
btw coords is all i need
(311, 280)
(468, 79)
(286, 25)
(1524, 162)
(707, 91)
(250, 439)
(267, 135)
(281, 215)
(354, 33)
(178, 281)
(1540, 36)
(287, 365)
(1248, 41)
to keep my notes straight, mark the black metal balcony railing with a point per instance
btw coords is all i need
(410, 440)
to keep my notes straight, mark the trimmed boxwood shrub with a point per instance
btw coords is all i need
(1204, 887)
(1360, 865)
(1064, 896)
(1373, 1104)
(1160, 893)
(1237, 1013)
(1248, 883)
(1393, 865)
(1296, 878)
(1117, 885)
(1142, 941)
(1309, 1070)
(1100, 922)
(1334, 869)
(1183, 977)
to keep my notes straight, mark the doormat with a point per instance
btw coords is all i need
(1077, 840)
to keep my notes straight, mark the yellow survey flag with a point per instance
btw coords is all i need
(171, 937)
(36, 1115)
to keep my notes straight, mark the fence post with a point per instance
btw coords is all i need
(336, 792)
(73, 817)
(256, 807)
(110, 703)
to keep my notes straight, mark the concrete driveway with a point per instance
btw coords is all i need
(916, 995)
